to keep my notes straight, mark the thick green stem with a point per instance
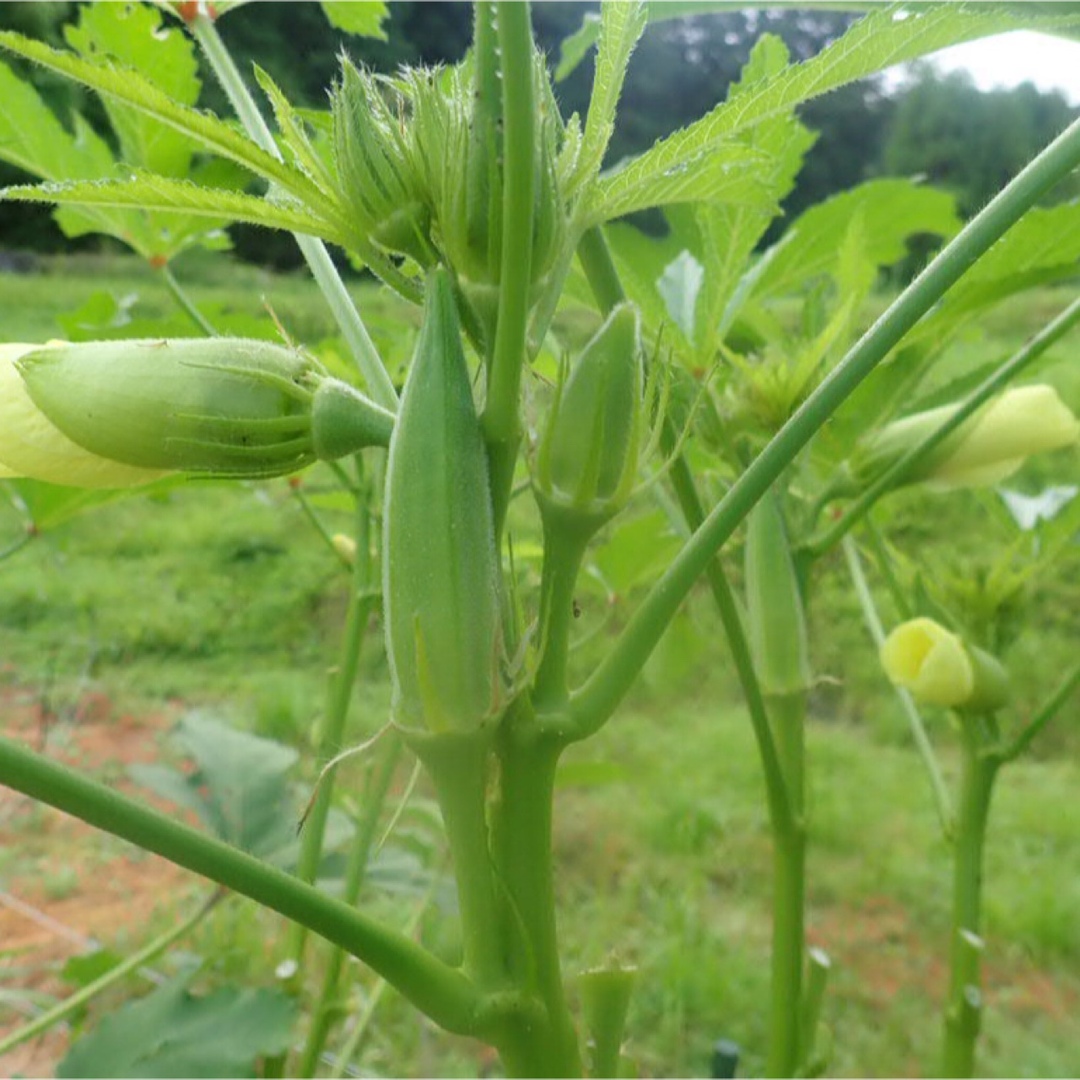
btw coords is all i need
(375, 794)
(336, 712)
(185, 303)
(459, 766)
(601, 694)
(501, 420)
(788, 712)
(963, 1009)
(1049, 335)
(82, 997)
(442, 992)
(521, 827)
(942, 802)
(314, 251)
(564, 549)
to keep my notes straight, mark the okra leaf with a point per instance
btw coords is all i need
(620, 27)
(891, 211)
(884, 37)
(48, 505)
(364, 18)
(171, 1032)
(148, 191)
(128, 86)
(728, 172)
(293, 133)
(132, 35)
(730, 232)
(239, 789)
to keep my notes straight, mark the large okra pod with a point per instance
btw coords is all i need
(440, 570)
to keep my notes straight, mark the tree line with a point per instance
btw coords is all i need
(968, 141)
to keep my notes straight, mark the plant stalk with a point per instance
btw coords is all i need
(185, 303)
(501, 419)
(521, 831)
(788, 713)
(375, 794)
(336, 711)
(963, 1011)
(444, 993)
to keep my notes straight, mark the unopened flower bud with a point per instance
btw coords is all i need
(345, 546)
(588, 454)
(983, 450)
(938, 668)
(216, 406)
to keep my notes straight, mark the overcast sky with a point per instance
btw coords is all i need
(1051, 63)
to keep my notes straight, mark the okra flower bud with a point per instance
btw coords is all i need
(588, 453)
(218, 406)
(440, 565)
(32, 446)
(377, 177)
(984, 450)
(938, 668)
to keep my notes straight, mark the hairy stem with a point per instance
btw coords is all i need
(501, 419)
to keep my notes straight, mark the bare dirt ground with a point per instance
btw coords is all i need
(64, 888)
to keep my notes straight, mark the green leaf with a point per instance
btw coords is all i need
(172, 1033)
(32, 138)
(364, 18)
(239, 789)
(294, 134)
(890, 212)
(152, 192)
(885, 37)
(573, 48)
(728, 173)
(620, 27)
(50, 505)
(637, 552)
(679, 285)
(132, 35)
(730, 233)
(208, 130)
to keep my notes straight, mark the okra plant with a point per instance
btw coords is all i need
(466, 192)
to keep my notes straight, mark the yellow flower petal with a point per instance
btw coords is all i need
(929, 661)
(31, 446)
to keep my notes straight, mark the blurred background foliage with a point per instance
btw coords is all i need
(960, 138)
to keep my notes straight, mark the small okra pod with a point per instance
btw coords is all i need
(775, 616)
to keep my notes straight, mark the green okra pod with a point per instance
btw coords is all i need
(440, 571)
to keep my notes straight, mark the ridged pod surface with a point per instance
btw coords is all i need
(440, 566)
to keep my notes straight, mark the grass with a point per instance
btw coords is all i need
(222, 596)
